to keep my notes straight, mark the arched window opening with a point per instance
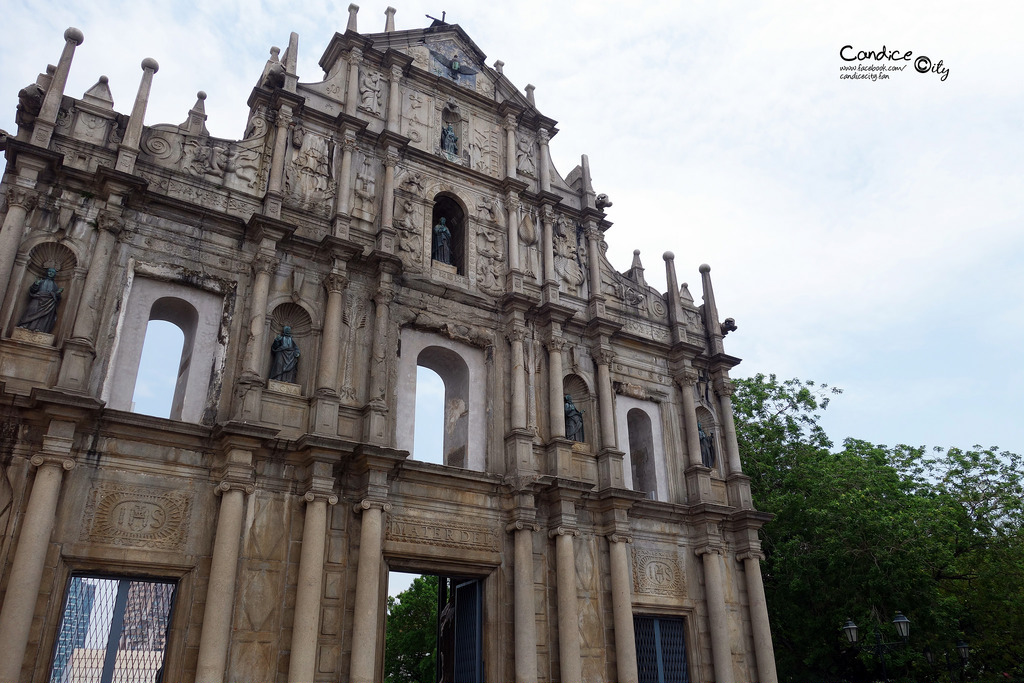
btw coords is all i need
(462, 402)
(453, 372)
(179, 314)
(448, 244)
(428, 439)
(199, 315)
(156, 383)
(641, 452)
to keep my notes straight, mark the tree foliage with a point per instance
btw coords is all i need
(866, 530)
(410, 651)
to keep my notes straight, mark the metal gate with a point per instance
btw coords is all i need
(114, 630)
(661, 650)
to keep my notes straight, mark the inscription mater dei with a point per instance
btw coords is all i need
(450, 534)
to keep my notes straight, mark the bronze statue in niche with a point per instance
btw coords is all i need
(43, 298)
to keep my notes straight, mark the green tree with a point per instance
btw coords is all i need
(865, 530)
(410, 650)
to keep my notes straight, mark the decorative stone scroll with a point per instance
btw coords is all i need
(445, 534)
(657, 573)
(139, 516)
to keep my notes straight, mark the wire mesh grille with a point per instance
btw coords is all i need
(660, 649)
(113, 631)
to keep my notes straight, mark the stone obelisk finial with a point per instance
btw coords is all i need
(353, 10)
(129, 149)
(46, 120)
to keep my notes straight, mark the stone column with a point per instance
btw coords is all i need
(516, 337)
(718, 624)
(352, 96)
(364, 620)
(594, 236)
(545, 163)
(570, 666)
(763, 649)
(525, 618)
(20, 200)
(603, 358)
(556, 399)
(512, 202)
(108, 228)
(724, 389)
(687, 382)
(46, 119)
(622, 609)
(382, 321)
(548, 244)
(394, 100)
(387, 209)
(510, 146)
(30, 557)
(344, 192)
(275, 184)
(327, 378)
(264, 266)
(129, 149)
(211, 665)
(306, 624)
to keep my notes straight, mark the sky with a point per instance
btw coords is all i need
(867, 234)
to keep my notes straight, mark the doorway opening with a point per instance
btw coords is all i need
(434, 630)
(113, 629)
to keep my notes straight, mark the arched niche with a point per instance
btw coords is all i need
(298, 319)
(640, 436)
(576, 387)
(706, 421)
(462, 369)
(449, 207)
(41, 258)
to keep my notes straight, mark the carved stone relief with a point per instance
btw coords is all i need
(416, 117)
(528, 240)
(355, 317)
(525, 163)
(568, 265)
(371, 91)
(483, 148)
(308, 178)
(489, 269)
(235, 165)
(140, 516)
(657, 573)
(489, 208)
(444, 533)
(409, 223)
(365, 192)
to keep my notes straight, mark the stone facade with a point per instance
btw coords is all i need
(277, 506)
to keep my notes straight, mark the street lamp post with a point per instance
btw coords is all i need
(902, 625)
(962, 650)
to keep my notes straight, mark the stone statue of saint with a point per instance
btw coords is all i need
(43, 298)
(442, 247)
(573, 421)
(449, 140)
(284, 354)
(707, 447)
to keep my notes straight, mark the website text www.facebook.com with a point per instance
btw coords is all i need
(873, 72)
